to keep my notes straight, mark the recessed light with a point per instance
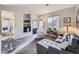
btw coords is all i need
(47, 4)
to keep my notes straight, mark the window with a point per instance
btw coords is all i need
(53, 22)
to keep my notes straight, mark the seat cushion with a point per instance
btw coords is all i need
(64, 45)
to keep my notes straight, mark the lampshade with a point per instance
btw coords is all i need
(71, 30)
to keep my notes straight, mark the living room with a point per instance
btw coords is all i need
(34, 24)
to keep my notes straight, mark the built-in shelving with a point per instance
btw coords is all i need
(27, 22)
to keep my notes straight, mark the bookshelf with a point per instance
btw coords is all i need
(27, 23)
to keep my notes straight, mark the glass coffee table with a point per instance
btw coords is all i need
(43, 45)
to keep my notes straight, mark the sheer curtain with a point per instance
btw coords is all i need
(40, 31)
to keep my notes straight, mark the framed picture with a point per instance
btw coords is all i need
(67, 20)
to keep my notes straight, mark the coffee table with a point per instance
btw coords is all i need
(43, 45)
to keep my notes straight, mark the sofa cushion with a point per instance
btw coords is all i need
(60, 39)
(64, 45)
(56, 46)
(53, 50)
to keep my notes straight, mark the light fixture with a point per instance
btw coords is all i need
(47, 4)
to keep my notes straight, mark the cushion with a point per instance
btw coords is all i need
(55, 45)
(64, 45)
(60, 39)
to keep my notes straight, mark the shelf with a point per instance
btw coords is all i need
(27, 22)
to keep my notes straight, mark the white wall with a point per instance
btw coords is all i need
(0, 35)
(69, 12)
(19, 11)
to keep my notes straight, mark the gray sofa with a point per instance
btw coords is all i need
(52, 50)
(75, 46)
(72, 49)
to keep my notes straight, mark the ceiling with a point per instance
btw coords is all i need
(42, 8)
